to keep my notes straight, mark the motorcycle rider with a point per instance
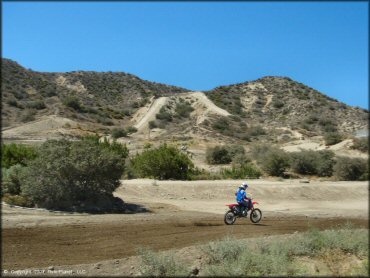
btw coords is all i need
(241, 198)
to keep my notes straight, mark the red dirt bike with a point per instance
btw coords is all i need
(236, 212)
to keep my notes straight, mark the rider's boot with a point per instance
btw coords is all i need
(244, 211)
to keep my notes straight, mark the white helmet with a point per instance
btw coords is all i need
(245, 185)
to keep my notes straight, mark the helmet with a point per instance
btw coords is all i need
(245, 185)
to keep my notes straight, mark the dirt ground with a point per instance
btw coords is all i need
(181, 214)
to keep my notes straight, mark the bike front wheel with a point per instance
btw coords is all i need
(256, 216)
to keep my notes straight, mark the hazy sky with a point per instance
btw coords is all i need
(198, 45)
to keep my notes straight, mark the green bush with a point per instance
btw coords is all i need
(69, 174)
(218, 155)
(255, 131)
(327, 125)
(309, 162)
(165, 162)
(221, 124)
(163, 115)
(277, 103)
(12, 154)
(332, 138)
(243, 171)
(131, 129)
(347, 168)
(183, 110)
(361, 144)
(73, 102)
(325, 163)
(118, 133)
(272, 160)
(37, 104)
(275, 162)
(234, 150)
(152, 124)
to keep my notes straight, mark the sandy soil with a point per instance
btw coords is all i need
(47, 127)
(181, 214)
(317, 144)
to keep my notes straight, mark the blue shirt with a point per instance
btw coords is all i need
(241, 195)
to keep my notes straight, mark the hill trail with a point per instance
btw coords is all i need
(209, 105)
(148, 113)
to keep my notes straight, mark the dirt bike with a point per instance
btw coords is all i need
(237, 212)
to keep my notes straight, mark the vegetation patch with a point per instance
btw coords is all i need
(183, 109)
(270, 257)
(308, 162)
(272, 160)
(361, 144)
(332, 138)
(13, 154)
(165, 162)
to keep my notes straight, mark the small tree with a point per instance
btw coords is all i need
(71, 174)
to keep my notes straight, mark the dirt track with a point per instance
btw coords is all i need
(90, 243)
(180, 216)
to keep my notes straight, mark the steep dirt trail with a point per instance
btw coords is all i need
(151, 112)
(209, 105)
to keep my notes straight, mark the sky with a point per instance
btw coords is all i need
(197, 45)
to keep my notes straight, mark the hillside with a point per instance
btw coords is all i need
(281, 105)
(38, 105)
(101, 98)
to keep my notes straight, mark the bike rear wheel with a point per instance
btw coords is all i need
(229, 218)
(256, 216)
